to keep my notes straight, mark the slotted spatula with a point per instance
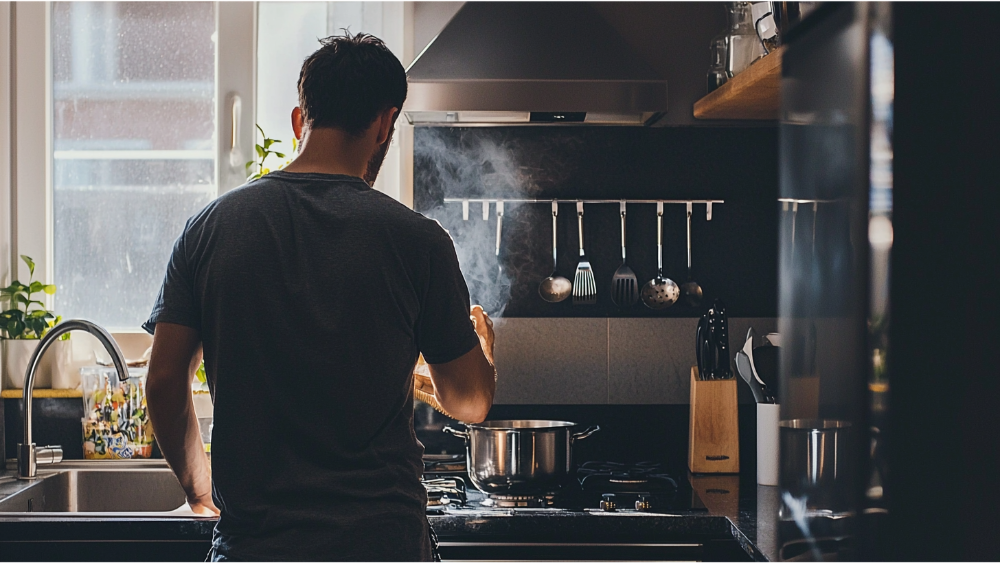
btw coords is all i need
(584, 286)
(624, 287)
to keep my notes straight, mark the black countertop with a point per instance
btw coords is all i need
(736, 509)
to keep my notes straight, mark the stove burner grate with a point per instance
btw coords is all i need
(445, 491)
(612, 476)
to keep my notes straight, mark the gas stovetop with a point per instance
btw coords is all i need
(600, 487)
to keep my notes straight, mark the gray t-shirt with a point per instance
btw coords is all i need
(313, 295)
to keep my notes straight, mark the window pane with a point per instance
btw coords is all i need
(133, 140)
(288, 33)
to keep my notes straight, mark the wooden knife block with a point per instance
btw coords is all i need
(714, 445)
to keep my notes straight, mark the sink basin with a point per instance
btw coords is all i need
(107, 488)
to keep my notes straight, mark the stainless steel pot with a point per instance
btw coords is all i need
(815, 462)
(520, 456)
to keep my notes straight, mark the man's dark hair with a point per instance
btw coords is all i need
(348, 81)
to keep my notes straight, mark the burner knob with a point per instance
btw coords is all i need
(608, 503)
(643, 504)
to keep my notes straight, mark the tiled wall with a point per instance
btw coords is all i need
(584, 361)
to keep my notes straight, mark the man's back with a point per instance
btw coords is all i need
(313, 296)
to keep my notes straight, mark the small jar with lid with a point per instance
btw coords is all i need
(717, 71)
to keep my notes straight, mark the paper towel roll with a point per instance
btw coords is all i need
(767, 443)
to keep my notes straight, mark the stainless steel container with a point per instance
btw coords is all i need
(814, 462)
(520, 456)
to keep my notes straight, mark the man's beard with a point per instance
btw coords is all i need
(375, 162)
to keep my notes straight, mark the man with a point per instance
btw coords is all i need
(312, 296)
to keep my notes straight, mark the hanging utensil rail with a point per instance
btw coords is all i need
(487, 201)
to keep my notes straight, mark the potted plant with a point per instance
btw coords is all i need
(23, 324)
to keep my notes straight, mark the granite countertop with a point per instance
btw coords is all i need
(735, 509)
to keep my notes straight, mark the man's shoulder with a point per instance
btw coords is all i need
(254, 196)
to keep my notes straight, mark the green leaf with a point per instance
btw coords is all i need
(49, 289)
(275, 140)
(279, 154)
(30, 263)
(261, 131)
(35, 287)
(268, 143)
(260, 151)
(21, 298)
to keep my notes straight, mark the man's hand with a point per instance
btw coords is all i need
(484, 328)
(204, 507)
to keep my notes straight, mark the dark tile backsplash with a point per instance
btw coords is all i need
(604, 361)
(734, 255)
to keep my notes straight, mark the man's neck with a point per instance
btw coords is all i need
(331, 151)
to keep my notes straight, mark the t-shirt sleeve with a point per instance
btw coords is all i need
(444, 329)
(177, 302)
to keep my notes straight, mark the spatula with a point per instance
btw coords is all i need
(624, 287)
(584, 286)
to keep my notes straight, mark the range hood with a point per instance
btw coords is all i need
(509, 63)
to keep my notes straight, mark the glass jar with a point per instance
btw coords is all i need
(717, 75)
(115, 423)
(744, 46)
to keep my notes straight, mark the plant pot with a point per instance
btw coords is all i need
(56, 365)
(16, 355)
(59, 358)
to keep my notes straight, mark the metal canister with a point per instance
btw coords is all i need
(814, 461)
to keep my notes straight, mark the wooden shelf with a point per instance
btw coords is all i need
(43, 393)
(754, 93)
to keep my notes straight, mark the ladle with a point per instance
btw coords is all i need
(691, 289)
(659, 292)
(555, 288)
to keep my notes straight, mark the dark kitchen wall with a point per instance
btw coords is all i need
(734, 255)
(585, 355)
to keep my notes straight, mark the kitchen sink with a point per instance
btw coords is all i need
(146, 488)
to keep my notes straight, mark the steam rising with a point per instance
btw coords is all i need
(482, 169)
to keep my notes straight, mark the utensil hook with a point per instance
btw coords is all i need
(555, 246)
(659, 239)
(499, 223)
(689, 206)
(622, 211)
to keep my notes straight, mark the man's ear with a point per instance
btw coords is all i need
(297, 122)
(386, 120)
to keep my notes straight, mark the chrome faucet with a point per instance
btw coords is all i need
(29, 455)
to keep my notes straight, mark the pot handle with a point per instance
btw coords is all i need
(586, 433)
(459, 433)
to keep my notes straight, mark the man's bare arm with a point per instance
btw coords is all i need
(465, 386)
(176, 356)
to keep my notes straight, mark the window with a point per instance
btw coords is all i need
(288, 33)
(137, 102)
(133, 142)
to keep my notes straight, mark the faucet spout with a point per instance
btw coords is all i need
(27, 458)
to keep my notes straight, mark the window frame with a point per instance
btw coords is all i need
(26, 193)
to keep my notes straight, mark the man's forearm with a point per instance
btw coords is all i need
(175, 425)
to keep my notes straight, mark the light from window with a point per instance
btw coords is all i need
(288, 32)
(133, 148)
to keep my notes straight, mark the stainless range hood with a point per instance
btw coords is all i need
(509, 63)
